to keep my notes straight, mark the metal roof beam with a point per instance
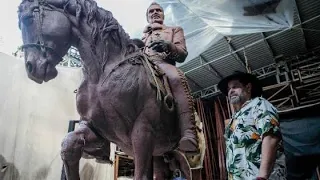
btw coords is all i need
(235, 55)
(300, 22)
(266, 71)
(215, 71)
(267, 43)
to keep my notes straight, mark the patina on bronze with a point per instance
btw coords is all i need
(115, 100)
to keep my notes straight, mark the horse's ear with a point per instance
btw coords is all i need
(57, 3)
(69, 5)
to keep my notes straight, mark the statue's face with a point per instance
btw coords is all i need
(155, 14)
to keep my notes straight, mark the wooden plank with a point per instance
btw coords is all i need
(116, 167)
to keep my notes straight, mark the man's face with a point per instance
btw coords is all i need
(155, 14)
(238, 93)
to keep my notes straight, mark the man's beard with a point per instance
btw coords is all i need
(236, 99)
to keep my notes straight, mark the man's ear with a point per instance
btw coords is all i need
(249, 88)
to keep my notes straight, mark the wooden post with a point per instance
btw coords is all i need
(116, 167)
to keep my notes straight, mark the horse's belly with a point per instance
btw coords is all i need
(122, 97)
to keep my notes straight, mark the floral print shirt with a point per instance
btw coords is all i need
(244, 139)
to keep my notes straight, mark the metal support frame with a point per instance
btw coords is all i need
(207, 92)
(306, 72)
(278, 100)
(263, 72)
(266, 71)
(308, 82)
(296, 85)
(252, 44)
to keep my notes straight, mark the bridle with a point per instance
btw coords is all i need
(38, 15)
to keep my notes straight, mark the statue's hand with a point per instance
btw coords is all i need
(161, 46)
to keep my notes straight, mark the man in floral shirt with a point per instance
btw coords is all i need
(252, 135)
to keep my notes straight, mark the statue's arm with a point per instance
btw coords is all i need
(178, 50)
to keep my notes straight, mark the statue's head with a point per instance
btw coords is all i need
(46, 35)
(155, 13)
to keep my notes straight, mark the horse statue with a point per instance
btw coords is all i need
(118, 99)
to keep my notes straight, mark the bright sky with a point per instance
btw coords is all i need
(129, 13)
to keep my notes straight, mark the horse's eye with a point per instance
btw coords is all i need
(27, 19)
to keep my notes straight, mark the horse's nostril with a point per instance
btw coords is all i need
(29, 67)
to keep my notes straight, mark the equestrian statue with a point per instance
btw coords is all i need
(131, 93)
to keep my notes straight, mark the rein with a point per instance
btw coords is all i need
(38, 15)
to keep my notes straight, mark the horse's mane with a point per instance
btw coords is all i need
(103, 24)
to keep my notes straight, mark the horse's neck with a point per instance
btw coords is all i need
(101, 46)
(98, 60)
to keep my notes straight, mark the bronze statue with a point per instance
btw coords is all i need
(120, 99)
(166, 46)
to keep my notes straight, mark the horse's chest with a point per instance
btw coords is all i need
(88, 104)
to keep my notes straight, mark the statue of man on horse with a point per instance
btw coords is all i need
(165, 46)
(116, 100)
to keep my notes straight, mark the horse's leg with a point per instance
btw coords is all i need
(143, 146)
(72, 147)
(161, 169)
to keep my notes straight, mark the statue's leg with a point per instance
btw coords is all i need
(161, 169)
(72, 148)
(143, 139)
(185, 106)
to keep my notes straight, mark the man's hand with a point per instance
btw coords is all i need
(161, 46)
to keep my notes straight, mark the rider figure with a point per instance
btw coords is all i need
(166, 46)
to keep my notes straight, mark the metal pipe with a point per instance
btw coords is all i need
(254, 43)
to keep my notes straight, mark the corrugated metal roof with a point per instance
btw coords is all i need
(227, 66)
(307, 10)
(291, 42)
(258, 55)
(288, 43)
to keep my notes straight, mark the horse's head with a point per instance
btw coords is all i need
(46, 33)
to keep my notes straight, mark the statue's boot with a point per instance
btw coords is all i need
(185, 106)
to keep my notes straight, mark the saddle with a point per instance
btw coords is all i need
(157, 78)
